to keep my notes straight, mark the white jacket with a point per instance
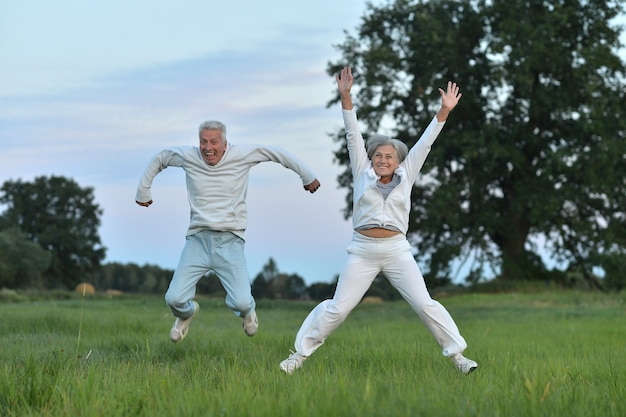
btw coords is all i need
(369, 206)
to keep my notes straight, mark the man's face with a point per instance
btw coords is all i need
(212, 146)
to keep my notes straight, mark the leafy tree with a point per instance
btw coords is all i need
(22, 262)
(535, 151)
(60, 216)
(132, 278)
(382, 288)
(261, 288)
(210, 284)
(261, 285)
(292, 286)
(270, 283)
(112, 276)
(321, 290)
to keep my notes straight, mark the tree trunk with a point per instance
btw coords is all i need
(517, 263)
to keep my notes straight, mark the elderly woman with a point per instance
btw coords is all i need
(383, 178)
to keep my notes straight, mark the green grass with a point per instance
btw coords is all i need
(547, 354)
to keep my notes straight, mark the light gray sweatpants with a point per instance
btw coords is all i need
(366, 258)
(205, 251)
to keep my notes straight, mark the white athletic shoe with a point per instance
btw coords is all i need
(181, 326)
(293, 362)
(250, 324)
(463, 364)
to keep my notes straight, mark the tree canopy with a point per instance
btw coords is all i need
(22, 262)
(63, 219)
(532, 161)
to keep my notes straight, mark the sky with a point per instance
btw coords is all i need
(92, 90)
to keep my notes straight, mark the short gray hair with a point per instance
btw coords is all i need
(213, 125)
(377, 140)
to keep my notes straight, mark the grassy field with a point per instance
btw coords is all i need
(548, 354)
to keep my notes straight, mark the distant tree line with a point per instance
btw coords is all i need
(270, 283)
(151, 279)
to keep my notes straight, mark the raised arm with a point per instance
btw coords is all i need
(449, 99)
(344, 84)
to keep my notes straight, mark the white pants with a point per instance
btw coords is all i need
(367, 257)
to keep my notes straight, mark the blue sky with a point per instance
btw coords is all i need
(91, 90)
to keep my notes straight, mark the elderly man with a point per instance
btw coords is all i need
(217, 184)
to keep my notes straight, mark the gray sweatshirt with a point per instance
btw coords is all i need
(217, 194)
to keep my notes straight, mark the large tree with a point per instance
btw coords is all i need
(60, 216)
(533, 159)
(22, 262)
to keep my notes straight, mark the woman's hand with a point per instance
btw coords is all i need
(344, 80)
(449, 99)
(344, 84)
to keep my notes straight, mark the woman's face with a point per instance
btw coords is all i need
(385, 162)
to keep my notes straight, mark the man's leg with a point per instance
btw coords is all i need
(192, 266)
(228, 261)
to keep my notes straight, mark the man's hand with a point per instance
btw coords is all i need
(146, 204)
(312, 187)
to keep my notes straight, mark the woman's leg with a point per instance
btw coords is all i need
(354, 281)
(404, 274)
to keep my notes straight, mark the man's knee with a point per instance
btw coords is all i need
(241, 305)
(174, 301)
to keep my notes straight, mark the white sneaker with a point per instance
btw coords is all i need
(181, 326)
(293, 362)
(463, 364)
(250, 324)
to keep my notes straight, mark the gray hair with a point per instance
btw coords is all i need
(213, 125)
(377, 140)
